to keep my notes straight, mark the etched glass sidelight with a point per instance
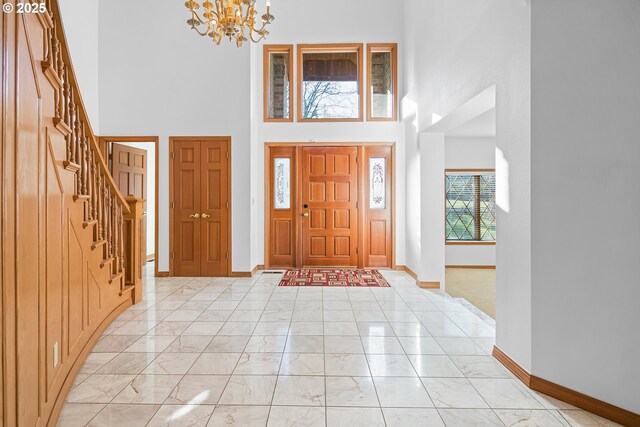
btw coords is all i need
(282, 183)
(377, 182)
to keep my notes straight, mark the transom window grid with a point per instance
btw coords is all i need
(470, 206)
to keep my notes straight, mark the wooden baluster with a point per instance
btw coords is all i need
(59, 63)
(117, 239)
(114, 235)
(99, 202)
(107, 197)
(121, 248)
(60, 94)
(105, 230)
(72, 117)
(110, 241)
(84, 160)
(93, 188)
(56, 54)
(77, 144)
(67, 101)
(65, 114)
(47, 46)
(90, 183)
(77, 137)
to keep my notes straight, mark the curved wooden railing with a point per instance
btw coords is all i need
(105, 206)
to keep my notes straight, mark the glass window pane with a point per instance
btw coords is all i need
(470, 206)
(487, 207)
(330, 85)
(381, 90)
(282, 183)
(460, 206)
(377, 182)
(279, 90)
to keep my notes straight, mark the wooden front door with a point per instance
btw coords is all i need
(129, 169)
(329, 206)
(201, 207)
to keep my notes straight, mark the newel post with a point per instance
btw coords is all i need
(133, 247)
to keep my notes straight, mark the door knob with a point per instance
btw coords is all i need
(206, 216)
(195, 216)
(305, 214)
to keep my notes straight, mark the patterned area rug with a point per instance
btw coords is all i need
(333, 277)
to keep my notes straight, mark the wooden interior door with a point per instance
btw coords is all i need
(214, 208)
(186, 213)
(129, 169)
(201, 207)
(329, 206)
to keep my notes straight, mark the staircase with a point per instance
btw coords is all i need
(103, 204)
(70, 258)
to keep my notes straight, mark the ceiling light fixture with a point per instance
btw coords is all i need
(235, 19)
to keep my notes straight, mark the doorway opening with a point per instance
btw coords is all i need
(133, 163)
(329, 205)
(470, 205)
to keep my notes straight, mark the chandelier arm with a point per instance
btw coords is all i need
(246, 16)
(261, 32)
(217, 38)
(199, 32)
(197, 16)
(240, 35)
(262, 37)
(205, 21)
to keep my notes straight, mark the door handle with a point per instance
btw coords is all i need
(205, 216)
(305, 214)
(195, 216)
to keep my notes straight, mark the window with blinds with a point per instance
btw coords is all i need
(470, 206)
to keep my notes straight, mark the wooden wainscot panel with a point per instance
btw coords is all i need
(61, 242)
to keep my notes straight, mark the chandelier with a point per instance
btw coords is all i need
(235, 19)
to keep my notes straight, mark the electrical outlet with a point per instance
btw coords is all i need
(55, 354)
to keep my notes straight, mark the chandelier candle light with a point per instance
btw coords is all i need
(235, 19)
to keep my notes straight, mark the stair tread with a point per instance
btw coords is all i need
(98, 243)
(89, 223)
(125, 289)
(107, 261)
(116, 277)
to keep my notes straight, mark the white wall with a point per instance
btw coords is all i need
(585, 197)
(454, 50)
(151, 191)
(297, 22)
(470, 153)
(432, 193)
(81, 23)
(158, 77)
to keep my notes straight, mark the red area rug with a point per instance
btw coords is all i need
(333, 277)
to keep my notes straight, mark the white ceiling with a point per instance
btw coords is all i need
(483, 126)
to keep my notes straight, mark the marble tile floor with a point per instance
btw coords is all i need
(245, 352)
